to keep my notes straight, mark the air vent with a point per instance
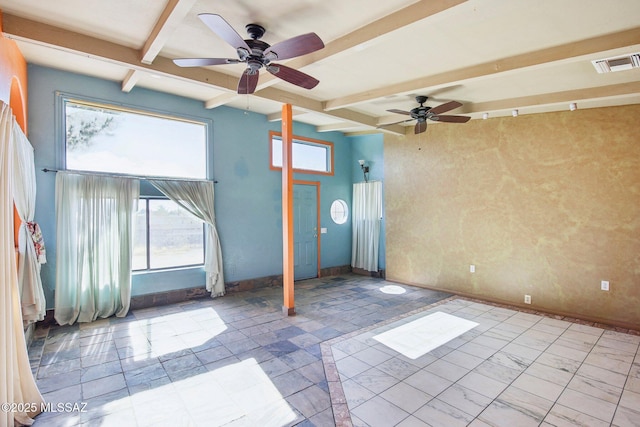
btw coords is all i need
(620, 63)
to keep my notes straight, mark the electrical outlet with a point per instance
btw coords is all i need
(527, 299)
(604, 285)
(472, 268)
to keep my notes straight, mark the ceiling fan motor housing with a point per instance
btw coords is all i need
(255, 31)
(421, 99)
(420, 112)
(255, 59)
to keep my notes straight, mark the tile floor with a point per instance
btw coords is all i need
(236, 361)
(513, 369)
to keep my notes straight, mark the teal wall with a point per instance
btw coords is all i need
(370, 148)
(247, 195)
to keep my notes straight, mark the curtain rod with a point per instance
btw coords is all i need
(121, 175)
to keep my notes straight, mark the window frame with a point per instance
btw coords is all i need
(345, 208)
(61, 129)
(302, 140)
(147, 233)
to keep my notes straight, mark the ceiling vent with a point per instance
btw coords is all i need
(620, 63)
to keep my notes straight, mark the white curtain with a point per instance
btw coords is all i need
(17, 384)
(30, 244)
(197, 198)
(94, 231)
(366, 219)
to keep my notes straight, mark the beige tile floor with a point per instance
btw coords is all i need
(513, 369)
(236, 361)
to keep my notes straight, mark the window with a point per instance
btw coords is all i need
(166, 236)
(121, 140)
(339, 211)
(104, 138)
(309, 155)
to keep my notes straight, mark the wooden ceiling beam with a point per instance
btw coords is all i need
(131, 80)
(220, 100)
(575, 95)
(35, 32)
(171, 17)
(23, 29)
(316, 107)
(394, 21)
(378, 28)
(276, 117)
(342, 126)
(541, 57)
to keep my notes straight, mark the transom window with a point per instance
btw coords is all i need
(309, 155)
(105, 138)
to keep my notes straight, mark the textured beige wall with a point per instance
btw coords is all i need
(545, 204)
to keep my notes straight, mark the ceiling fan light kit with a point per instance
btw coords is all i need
(258, 54)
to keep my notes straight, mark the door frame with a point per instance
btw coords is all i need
(317, 185)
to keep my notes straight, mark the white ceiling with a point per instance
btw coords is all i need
(491, 55)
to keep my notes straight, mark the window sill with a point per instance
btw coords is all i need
(168, 270)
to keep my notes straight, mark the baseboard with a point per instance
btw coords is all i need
(168, 297)
(252, 284)
(48, 320)
(379, 274)
(570, 317)
(335, 271)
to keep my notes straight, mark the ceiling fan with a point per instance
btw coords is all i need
(257, 54)
(422, 113)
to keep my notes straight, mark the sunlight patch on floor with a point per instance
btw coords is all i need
(172, 333)
(393, 290)
(240, 393)
(420, 336)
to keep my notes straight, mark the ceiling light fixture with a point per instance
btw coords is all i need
(573, 106)
(514, 113)
(485, 116)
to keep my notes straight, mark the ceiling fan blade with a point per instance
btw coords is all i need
(296, 46)
(445, 107)
(248, 82)
(203, 62)
(218, 25)
(293, 76)
(451, 119)
(399, 112)
(420, 127)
